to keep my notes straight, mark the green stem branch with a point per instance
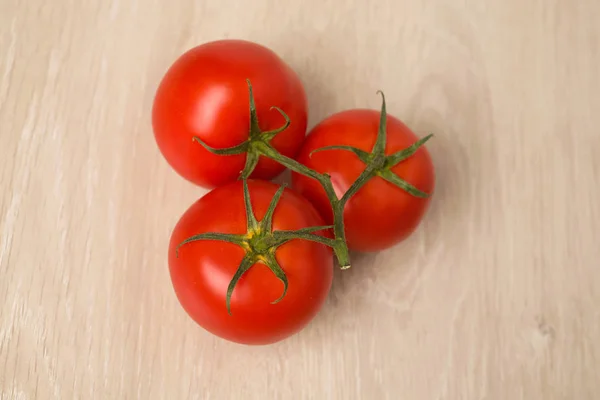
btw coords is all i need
(338, 244)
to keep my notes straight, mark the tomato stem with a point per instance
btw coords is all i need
(377, 164)
(260, 242)
(338, 244)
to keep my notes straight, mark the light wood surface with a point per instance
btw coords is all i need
(495, 297)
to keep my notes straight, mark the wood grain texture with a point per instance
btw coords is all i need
(495, 297)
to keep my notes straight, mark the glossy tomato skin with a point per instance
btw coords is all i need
(380, 214)
(203, 270)
(205, 94)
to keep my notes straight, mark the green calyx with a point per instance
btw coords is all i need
(378, 163)
(260, 242)
(257, 139)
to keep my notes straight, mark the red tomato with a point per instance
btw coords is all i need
(380, 214)
(205, 94)
(203, 270)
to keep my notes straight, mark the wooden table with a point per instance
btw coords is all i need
(496, 296)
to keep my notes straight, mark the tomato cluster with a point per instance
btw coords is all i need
(252, 261)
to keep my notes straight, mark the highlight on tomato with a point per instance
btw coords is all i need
(250, 262)
(378, 167)
(204, 97)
